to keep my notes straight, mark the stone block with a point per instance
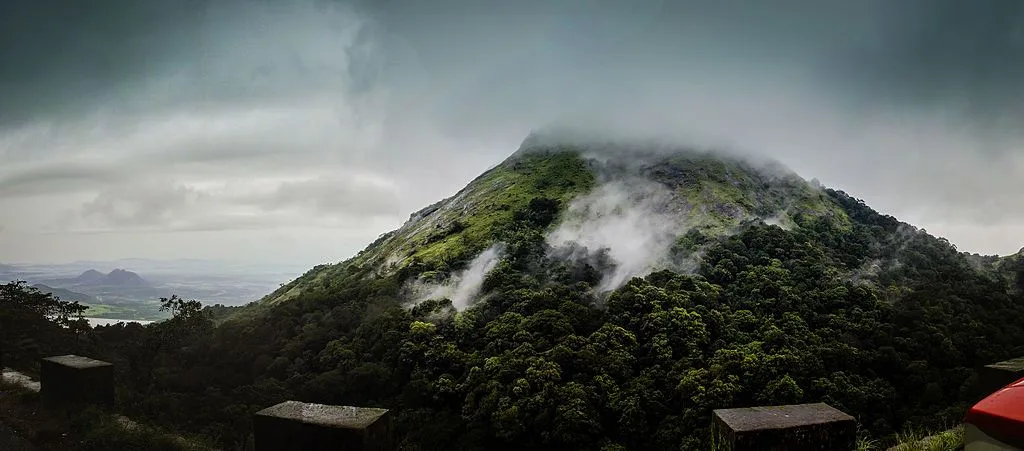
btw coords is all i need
(800, 427)
(72, 379)
(998, 375)
(294, 425)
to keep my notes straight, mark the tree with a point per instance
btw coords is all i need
(187, 321)
(27, 313)
(187, 317)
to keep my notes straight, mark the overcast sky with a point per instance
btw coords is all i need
(299, 131)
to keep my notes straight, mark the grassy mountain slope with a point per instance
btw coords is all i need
(453, 230)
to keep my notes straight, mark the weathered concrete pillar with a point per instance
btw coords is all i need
(294, 425)
(800, 427)
(72, 379)
(998, 375)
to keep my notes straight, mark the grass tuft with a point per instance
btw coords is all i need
(948, 440)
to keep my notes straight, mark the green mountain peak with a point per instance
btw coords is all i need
(647, 206)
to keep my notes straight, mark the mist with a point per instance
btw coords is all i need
(462, 287)
(630, 218)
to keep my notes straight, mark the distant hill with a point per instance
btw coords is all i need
(65, 294)
(91, 276)
(121, 277)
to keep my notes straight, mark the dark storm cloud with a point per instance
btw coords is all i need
(63, 54)
(73, 57)
(68, 58)
(495, 66)
(965, 57)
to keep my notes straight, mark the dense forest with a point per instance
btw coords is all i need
(852, 308)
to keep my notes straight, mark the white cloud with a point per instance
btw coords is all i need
(632, 218)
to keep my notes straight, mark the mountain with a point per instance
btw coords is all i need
(92, 277)
(117, 277)
(609, 296)
(121, 277)
(66, 295)
(656, 199)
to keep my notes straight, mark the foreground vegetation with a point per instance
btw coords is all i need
(857, 310)
(948, 440)
(82, 430)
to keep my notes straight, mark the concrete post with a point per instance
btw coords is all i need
(72, 379)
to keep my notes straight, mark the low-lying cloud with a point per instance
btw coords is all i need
(341, 194)
(462, 287)
(236, 204)
(632, 219)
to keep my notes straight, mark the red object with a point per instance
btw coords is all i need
(1001, 414)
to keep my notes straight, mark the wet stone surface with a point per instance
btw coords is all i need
(325, 415)
(76, 361)
(294, 425)
(775, 417)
